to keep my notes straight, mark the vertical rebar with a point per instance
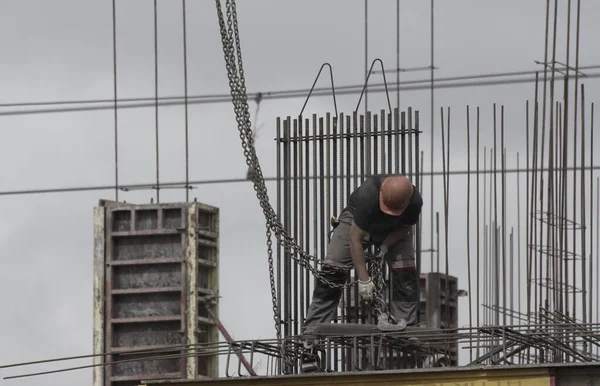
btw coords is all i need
(583, 211)
(469, 232)
(185, 98)
(383, 135)
(574, 184)
(330, 207)
(512, 278)
(338, 208)
(287, 311)
(418, 232)
(409, 153)
(528, 240)
(446, 167)
(519, 265)
(591, 289)
(397, 141)
(478, 231)
(280, 149)
(315, 186)
(491, 245)
(432, 122)
(115, 96)
(156, 100)
(359, 310)
(486, 267)
(297, 287)
(300, 179)
(376, 137)
(496, 285)
(351, 167)
(559, 229)
(484, 289)
(503, 199)
(366, 55)
(597, 240)
(551, 182)
(534, 205)
(390, 128)
(403, 141)
(437, 232)
(543, 125)
(368, 149)
(307, 207)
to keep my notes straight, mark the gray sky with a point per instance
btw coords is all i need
(63, 51)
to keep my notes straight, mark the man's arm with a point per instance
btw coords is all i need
(357, 252)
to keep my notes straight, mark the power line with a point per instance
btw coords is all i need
(182, 184)
(411, 85)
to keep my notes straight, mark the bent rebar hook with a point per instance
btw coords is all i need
(387, 94)
(313, 87)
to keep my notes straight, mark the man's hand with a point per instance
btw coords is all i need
(383, 250)
(366, 289)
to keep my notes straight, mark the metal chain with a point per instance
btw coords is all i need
(241, 108)
(379, 303)
(235, 73)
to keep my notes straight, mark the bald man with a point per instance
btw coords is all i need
(380, 213)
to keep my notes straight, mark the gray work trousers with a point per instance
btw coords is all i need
(400, 258)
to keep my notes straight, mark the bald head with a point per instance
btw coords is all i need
(395, 194)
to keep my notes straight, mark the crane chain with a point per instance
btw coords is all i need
(232, 51)
(379, 303)
(241, 108)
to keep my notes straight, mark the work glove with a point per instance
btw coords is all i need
(382, 251)
(366, 289)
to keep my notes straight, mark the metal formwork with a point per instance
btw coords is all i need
(156, 280)
(320, 162)
(439, 309)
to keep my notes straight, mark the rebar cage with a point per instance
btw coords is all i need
(320, 161)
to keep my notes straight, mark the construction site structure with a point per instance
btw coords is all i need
(558, 374)
(439, 309)
(433, 313)
(156, 282)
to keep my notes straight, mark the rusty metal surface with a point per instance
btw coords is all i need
(155, 283)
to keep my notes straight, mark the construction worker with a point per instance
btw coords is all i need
(380, 213)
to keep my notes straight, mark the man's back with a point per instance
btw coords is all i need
(363, 203)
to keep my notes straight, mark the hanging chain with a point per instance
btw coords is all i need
(379, 303)
(235, 73)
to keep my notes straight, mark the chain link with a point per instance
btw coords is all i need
(235, 73)
(379, 301)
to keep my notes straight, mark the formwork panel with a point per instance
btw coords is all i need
(146, 334)
(153, 269)
(158, 246)
(147, 276)
(148, 304)
(441, 307)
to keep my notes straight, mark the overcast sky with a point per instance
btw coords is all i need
(62, 50)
